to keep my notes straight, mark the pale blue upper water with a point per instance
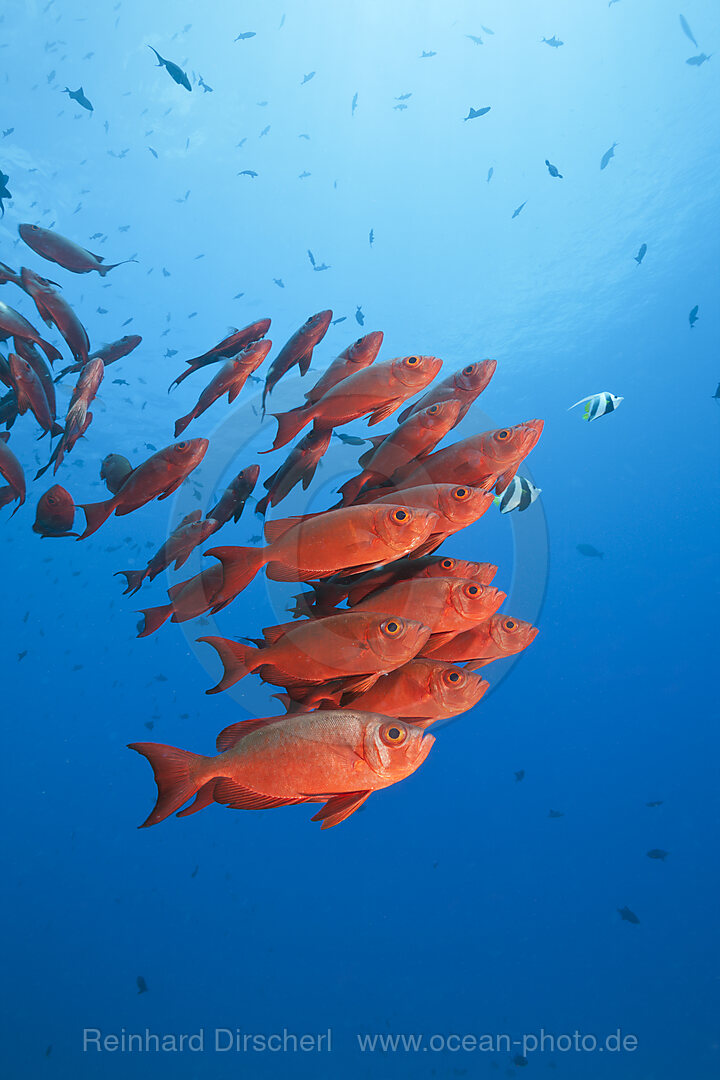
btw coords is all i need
(453, 903)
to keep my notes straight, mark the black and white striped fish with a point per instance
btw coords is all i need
(598, 405)
(518, 495)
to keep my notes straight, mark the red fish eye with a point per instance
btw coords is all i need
(461, 493)
(454, 676)
(181, 445)
(51, 499)
(400, 515)
(393, 734)
(472, 590)
(504, 434)
(468, 370)
(392, 628)
(447, 564)
(510, 624)
(413, 360)
(433, 409)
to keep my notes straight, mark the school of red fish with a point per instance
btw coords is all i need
(360, 683)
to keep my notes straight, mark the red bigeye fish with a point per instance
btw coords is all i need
(300, 464)
(177, 548)
(78, 418)
(331, 592)
(349, 643)
(236, 494)
(456, 505)
(158, 477)
(378, 390)
(227, 348)
(58, 249)
(12, 471)
(298, 350)
(229, 380)
(357, 356)
(30, 394)
(300, 549)
(115, 470)
(497, 637)
(446, 604)
(463, 386)
(27, 350)
(422, 690)
(8, 274)
(56, 311)
(13, 324)
(116, 350)
(411, 441)
(486, 460)
(55, 513)
(188, 599)
(338, 758)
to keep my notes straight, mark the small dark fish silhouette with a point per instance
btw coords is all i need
(248, 172)
(194, 873)
(474, 113)
(716, 397)
(245, 36)
(605, 159)
(120, 382)
(4, 193)
(359, 317)
(279, 282)
(556, 814)
(8, 131)
(399, 107)
(303, 175)
(553, 42)
(311, 257)
(659, 802)
(696, 61)
(491, 170)
(342, 318)
(201, 83)
(176, 73)
(403, 97)
(519, 775)
(142, 985)
(627, 915)
(519, 1060)
(79, 96)
(657, 853)
(371, 237)
(425, 55)
(552, 169)
(353, 106)
(590, 551)
(516, 212)
(153, 152)
(693, 316)
(686, 30)
(307, 78)
(642, 252)
(477, 40)
(349, 440)
(264, 131)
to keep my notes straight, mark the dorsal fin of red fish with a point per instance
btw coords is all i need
(195, 515)
(228, 793)
(229, 736)
(275, 529)
(340, 807)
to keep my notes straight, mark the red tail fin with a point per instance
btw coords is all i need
(134, 579)
(237, 660)
(154, 618)
(240, 565)
(290, 423)
(183, 422)
(50, 351)
(96, 514)
(172, 769)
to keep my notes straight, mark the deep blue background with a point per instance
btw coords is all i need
(452, 903)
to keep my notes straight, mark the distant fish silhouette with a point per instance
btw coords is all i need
(79, 96)
(474, 113)
(153, 152)
(371, 237)
(491, 170)
(657, 853)
(611, 2)
(359, 317)
(248, 172)
(516, 212)
(7, 131)
(4, 193)
(553, 42)
(264, 131)
(657, 802)
(696, 61)
(353, 106)
(400, 107)
(716, 395)
(477, 40)
(304, 136)
(204, 85)
(303, 175)
(425, 55)
(556, 814)
(279, 282)
(175, 72)
(642, 252)
(245, 36)
(627, 915)
(342, 318)
(311, 257)
(590, 551)
(553, 170)
(605, 159)
(141, 985)
(519, 775)
(349, 440)
(403, 97)
(307, 78)
(686, 30)
(693, 316)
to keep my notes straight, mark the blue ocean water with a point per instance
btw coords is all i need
(453, 904)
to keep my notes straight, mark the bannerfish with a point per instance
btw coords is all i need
(518, 495)
(597, 405)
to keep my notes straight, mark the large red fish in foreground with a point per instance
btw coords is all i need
(158, 477)
(66, 253)
(463, 386)
(357, 356)
(338, 758)
(377, 390)
(298, 350)
(496, 638)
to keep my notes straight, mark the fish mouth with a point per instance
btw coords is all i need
(535, 431)
(424, 748)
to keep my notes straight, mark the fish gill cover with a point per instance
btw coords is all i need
(285, 295)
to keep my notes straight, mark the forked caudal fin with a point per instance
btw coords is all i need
(96, 514)
(290, 424)
(172, 769)
(237, 660)
(240, 565)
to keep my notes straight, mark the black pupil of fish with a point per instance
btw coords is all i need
(473, 590)
(510, 625)
(461, 493)
(467, 371)
(400, 515)
(454, 677)
(392, 627)
(394, 733)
